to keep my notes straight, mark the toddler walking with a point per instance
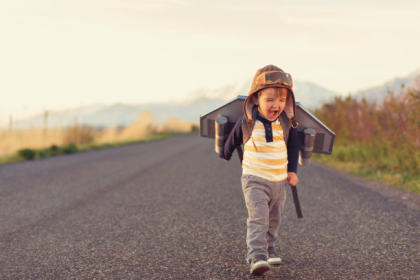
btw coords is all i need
(271, 149)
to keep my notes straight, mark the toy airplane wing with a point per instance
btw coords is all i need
(310, 128)
(231, 110)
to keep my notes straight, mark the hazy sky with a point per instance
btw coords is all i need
(61, 54)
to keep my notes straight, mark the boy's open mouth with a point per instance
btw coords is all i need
(274, 113)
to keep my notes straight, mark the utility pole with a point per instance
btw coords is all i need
(45, 129)
(10, 123)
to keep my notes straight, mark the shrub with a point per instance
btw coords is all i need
(27, 154)
(53, 150)
(384, 137)
(70, 149)
(195, 128)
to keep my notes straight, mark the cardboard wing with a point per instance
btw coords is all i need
(314, 136)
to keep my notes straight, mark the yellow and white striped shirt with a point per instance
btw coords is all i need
(264, 159)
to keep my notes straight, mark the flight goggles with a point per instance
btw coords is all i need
(275, 77)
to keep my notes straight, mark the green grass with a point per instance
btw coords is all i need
(379, 162)
(54, 150)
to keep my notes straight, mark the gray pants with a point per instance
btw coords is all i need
(265, 202)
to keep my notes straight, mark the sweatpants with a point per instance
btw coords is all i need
(265, 202)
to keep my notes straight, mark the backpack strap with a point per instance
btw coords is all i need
(247, 127)
(285, 125)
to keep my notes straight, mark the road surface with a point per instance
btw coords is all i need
(171, 209)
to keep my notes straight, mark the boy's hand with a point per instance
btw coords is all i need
(292, 178)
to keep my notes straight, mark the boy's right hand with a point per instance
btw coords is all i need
(292, 178)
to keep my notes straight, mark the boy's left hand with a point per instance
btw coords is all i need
(292, 178)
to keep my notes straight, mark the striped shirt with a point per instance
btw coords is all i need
(264, 159)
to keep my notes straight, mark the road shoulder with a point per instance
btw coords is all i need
(409, 199)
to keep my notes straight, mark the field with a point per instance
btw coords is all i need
(377, 141)
(16, 145)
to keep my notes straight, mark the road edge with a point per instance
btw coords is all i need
(409, 199)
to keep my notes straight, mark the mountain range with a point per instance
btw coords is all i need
(202, 101)
(397, 85)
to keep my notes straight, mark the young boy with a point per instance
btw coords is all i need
(270, 159)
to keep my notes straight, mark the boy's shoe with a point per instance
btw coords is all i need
(259, 265)
(273, 257)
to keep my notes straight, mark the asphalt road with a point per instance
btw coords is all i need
(172, 209)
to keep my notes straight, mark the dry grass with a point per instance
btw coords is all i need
(377, 141)
(14, 140)
(36, 138)
(144, 126)
(176, 125)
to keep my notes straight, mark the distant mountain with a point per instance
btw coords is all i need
(200, 102)
(397, 85)
(308, 93)
(312, 95)
(122, 114)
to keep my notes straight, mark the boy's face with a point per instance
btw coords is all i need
(271, 102)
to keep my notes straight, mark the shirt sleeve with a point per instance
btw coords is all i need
(292, 150)
(233, 140)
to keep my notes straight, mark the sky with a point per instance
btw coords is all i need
(64, 54)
